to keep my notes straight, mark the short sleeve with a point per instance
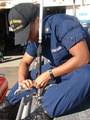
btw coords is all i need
(31, 49)
(73, 37)
(71, 33)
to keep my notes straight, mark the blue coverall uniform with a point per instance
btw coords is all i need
(60, 33)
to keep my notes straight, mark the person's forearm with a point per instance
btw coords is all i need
(69, 66)
(23, 71)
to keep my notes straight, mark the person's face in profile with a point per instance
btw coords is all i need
(34, 30)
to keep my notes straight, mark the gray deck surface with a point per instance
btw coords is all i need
(82, 112)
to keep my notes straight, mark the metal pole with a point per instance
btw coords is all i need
(74, 8)
(40, 21)
(19, 114)
(39, 56)
(39, 51)
(25, 107)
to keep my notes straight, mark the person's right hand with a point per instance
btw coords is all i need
(26, 84)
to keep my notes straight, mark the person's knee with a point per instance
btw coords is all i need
(59, 108)
(55, 104)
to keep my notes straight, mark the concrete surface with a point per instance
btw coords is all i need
(11, 61)
(10, 74)
(82, 112)
(10, 68)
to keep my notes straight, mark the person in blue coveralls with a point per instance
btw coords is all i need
(64, 45)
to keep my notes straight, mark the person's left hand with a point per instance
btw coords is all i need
(41, 80)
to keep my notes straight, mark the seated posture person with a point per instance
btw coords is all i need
(64, 45)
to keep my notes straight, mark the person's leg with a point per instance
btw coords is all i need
(65, 96)
(12, 98)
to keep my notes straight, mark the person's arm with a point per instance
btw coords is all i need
(24, 67)
(80, 57)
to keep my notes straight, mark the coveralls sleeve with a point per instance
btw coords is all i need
(31, 49)
(71, 33)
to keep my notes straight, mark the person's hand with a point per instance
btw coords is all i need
(26, 84)
(41, 80)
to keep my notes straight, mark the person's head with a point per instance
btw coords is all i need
(23, 15)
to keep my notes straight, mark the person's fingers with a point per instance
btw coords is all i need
(39, 85)
(27, 84)
(43, 85)
(35, 84)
